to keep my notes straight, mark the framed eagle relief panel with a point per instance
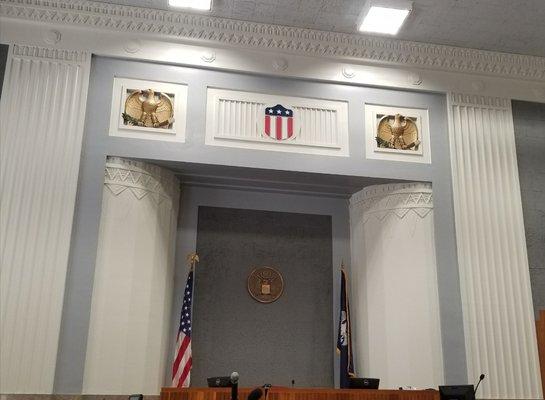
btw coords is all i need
(148, 110)
(397, 134)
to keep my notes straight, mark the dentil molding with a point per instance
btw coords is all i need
(50, 53)
(464, 99)
(254, 35)
(141, 179)
(393, 199)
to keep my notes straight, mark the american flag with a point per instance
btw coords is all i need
(181, 366)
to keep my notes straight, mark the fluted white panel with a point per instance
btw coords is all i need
(41, 117)
(236, 119)
(494, 277)
(134, 274)
(395, 307)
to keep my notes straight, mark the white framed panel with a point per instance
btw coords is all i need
(420, 116)
(238, 119)
(122, 88)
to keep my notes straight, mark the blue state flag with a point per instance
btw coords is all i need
(344, 342)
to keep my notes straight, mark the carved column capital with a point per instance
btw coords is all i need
(397, 199)
(141, 179)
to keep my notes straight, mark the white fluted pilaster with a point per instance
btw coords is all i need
(395, 307)
(133, 285)
(41, 116)
(494, 277)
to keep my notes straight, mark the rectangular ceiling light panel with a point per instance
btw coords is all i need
(195, 4)
(385, 16)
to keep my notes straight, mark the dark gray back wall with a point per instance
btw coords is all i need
(4, 48)
(335, 208)
(266, 343)
(97, 144)
(529, 120)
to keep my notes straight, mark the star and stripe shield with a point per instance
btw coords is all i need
(279, 123)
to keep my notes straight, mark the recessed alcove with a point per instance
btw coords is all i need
(294, 337)
(306, 226)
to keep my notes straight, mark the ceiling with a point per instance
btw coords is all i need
(512, 26)
(269, 180)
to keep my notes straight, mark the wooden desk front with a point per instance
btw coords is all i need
(277, 393)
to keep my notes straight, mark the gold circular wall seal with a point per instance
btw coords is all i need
(265, 284)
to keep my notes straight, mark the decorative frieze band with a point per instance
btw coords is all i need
(464, 99)
(274, 37)
(397, 199)
(49, 53)
(141, 179)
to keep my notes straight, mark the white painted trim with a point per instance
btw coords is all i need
(499, 324)
(133, 281)
(41, 124)
(243, 126)
(273, 62)
(223, 31)
(37, 52)
(422, 121)
(397, 333)
(189, 39)
(119, 96)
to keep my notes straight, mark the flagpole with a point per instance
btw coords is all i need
(192, 260)
(181, 365)
(344, 340)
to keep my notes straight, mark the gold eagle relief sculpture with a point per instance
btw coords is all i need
(397, 132)
(148, 108)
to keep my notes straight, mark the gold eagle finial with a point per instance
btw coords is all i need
(192, 259)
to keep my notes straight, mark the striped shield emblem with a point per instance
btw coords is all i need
(278, 122)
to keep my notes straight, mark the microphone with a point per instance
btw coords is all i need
(267, 386)
(234, 385)
(255, 394)
(478, 383)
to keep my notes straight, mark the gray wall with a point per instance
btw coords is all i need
(288, 339)
(197, 195)
(97, 144)
(529, 120)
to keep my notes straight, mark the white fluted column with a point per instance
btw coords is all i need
(133, 284)
(395, 303)
(41, 127)
(494, 276)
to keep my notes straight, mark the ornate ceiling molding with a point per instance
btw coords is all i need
(213, 30)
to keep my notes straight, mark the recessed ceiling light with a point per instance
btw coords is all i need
(384, 16)
(195, 4)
